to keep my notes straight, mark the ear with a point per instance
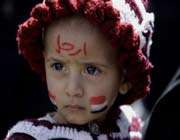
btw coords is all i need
(124, 88)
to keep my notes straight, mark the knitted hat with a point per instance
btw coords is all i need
(126, 24)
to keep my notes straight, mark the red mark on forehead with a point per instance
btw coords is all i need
(84, 48)
(69, 47)
(97, 99)
(51, 96)
(75, 53)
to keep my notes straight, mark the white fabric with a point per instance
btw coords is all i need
(43, 133)
(129, 16)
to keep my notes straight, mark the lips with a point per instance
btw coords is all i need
(74, 107)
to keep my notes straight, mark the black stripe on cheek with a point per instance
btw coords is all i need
(101, 110)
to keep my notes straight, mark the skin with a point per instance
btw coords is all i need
(73, 80)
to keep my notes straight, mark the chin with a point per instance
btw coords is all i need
(77, 120)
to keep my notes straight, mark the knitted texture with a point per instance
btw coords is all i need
(45, 128)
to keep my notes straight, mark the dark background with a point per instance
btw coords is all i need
(21, 91)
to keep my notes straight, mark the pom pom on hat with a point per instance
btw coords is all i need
(134, 12)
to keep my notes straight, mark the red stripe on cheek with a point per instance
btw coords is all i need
(51, 96)
(97, 100)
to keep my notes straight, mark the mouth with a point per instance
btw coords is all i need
(74, 107)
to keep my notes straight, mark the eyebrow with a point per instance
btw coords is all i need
(95, 63)
(55, 59)
(92, 62)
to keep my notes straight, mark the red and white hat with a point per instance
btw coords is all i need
(134, 12)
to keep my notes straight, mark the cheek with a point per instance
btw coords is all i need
(98, 104)
(55, 86)
(97, 100)
(107, 92)
(52, 96)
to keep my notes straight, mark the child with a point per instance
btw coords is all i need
(93, 56)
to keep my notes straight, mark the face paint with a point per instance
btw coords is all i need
(98, 104)
(52, 98)
(75, 53)
(64, 46)
(69, 47)
(58, 48)
(84, 49)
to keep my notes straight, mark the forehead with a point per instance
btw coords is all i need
(78, 31)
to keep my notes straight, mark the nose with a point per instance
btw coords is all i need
(74, 85)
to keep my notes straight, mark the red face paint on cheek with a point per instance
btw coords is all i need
(98, 104)
(51, 96)
(52, 99)
(97, 100)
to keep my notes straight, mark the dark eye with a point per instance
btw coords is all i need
(57, 66)
(92, 70)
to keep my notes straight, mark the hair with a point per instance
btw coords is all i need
(101, 13)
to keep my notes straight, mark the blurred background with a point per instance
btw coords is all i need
(21, 92)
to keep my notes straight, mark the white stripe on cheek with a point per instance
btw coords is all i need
(98, 108)
(98, 104)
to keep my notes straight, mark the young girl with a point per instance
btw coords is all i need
(93, 57)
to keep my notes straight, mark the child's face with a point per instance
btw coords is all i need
(82, 73)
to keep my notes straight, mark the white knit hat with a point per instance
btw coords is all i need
(143, 26)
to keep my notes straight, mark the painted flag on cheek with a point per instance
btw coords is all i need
(98, 104)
